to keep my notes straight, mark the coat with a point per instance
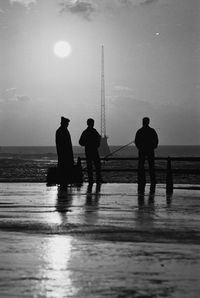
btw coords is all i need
(64, 148)
(90, 139)
(146, 139)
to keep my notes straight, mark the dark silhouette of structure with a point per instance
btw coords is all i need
(146, 140)
(169, 178)
(104, 148)
(65, 153)
(90, 139)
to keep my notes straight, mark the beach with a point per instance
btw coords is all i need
(104, 241)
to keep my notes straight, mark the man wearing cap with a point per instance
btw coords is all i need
(91, 139)
(64, 152)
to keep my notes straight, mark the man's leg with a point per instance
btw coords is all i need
(97, 164)
(151, 161)
(141, 170)
(89, 169)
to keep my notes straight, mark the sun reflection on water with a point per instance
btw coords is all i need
(56, 274)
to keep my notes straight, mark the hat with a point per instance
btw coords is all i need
(64, 120)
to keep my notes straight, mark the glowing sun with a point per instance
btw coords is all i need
(62, 49)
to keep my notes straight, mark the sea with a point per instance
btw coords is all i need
(50, 151)
(31, 163)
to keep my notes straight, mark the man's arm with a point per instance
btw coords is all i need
(156, 141)
(99, 139)
(137, 140)
(57, 142)
(82, 139)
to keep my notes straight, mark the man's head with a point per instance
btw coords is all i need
(145, 121)
(64, 121)
(90, 122)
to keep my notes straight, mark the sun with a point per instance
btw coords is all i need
(62, 49)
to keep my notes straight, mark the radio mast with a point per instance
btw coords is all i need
(103, 149)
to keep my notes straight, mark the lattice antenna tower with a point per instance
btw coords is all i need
(103, 108)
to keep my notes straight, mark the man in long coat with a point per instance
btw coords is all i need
(64, 152)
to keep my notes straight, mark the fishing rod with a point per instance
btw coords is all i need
(110, 154)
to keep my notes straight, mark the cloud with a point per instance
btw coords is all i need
(83, 8)
(129, 103)
(86, 8)
(11, 95)
(148, 2)
(25, 3)
(8, 94)
(23, 98)
(135, 2)
(122, 88)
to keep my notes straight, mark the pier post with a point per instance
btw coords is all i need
(169, 177)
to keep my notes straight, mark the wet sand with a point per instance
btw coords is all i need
(101, 242)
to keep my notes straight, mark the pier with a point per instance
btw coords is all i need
(168, 167)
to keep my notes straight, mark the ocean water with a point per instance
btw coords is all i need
(30, 164)
(50, 151)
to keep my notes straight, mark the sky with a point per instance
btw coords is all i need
(152, 68)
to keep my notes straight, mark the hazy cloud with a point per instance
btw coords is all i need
(11, 95)
(136, 2)
(148, 2)
(8, 94)
(25, 3)
(128, 101)
(122, 88)
(23, 98)
(86, 8)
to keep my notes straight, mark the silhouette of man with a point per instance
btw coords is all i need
(146, 141)
(64, 152)
(91, 139)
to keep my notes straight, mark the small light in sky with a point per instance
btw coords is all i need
(157, 33)
(62, 49)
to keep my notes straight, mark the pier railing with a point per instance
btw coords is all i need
(168, 170)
